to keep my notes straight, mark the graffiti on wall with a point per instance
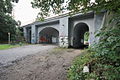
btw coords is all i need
(63, 41)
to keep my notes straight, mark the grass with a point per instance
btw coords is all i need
(7, 46)
(60, 50)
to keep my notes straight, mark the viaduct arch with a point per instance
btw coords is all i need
(65, 30)
(78, 34)
(49, 35)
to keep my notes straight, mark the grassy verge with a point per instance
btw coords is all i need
(7, 46)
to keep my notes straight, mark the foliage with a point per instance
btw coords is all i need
(7, 26)
(7, 23)
(86, 36)
(19, 35)
(100, 67)
(109, 42)
(76, 70)
(16, 1)
(47, 6)
(74, 6)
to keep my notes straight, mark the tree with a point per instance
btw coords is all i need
(74, 6)
(19, 33)
(15, 1)
(7, 23)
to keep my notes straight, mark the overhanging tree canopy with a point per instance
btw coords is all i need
(58, 6)
(7, 23)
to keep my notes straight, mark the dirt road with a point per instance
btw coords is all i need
(50, 64)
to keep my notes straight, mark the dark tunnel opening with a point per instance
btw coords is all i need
(81, 31)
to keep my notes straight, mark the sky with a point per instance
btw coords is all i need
(24, 12)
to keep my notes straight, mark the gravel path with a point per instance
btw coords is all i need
(7, 56)
(41, 63)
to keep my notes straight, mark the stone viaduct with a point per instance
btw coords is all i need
(65, 30)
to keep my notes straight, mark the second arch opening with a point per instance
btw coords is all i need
(81, 35)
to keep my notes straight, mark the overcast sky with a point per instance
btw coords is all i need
(24, 12)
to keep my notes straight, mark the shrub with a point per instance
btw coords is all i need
(101, 68)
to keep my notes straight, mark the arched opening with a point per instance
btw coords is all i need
(49, 36)
(80, 35)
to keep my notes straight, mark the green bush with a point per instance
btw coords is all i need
(76, 70)
(86, 36)
(101, 68)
